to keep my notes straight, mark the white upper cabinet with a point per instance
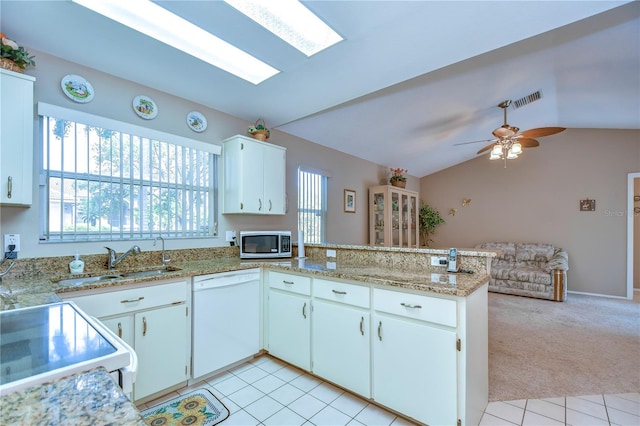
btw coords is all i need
(254, 177)
(16, 138)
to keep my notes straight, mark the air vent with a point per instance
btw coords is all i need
(519, 103)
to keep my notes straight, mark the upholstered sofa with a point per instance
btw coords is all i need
(529, 269)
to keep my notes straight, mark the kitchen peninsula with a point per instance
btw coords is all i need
(451, 307)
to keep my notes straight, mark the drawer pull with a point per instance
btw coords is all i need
(339, 292)
(288, 282)
(120, 329)
(380, 331)
(406, 305)
(132, 300)
(304, 307)
(9, 186)
(259, 205)
(362, 325)
(144, 326)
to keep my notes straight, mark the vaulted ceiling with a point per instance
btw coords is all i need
(411, 80)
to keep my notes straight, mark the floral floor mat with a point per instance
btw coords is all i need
(199, 407)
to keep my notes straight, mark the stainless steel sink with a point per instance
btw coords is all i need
(119, 275)
(151, 272)
(84, 280)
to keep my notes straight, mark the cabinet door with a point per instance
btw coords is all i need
(161, 346)
(274, 180)
(341, 346)
(122, 326)
(252, 180)
(16, 138)
(414, 369)
(289, 328)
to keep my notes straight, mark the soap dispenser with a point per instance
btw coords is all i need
(76, 266)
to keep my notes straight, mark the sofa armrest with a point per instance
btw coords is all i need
(559, 261)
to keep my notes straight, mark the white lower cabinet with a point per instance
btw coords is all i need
(414, 369)
(423, 355)
(341, 345)
(154, 320)
(289, 318)
(160, 342)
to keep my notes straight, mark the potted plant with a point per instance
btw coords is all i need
(397, 177)
(14, 57)
(259, 130)
(429, 219)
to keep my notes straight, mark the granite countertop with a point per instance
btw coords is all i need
(30, 292)
(87, 398)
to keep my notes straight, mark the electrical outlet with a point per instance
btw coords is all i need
(230, 236)
(11, 246)
(438, 261)
(11, 240)
(331, 253)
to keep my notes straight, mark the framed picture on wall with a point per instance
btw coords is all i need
(587, 205)
(349, 201)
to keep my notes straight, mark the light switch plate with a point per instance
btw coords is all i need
(331, 253)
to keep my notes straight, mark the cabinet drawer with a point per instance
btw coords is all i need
(293, 283)
(133, 299)
(350, 294)
(425, 308)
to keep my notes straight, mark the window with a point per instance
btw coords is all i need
(312, 205)
(108, 183)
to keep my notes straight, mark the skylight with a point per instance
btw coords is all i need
(291, 21)
(157, 22)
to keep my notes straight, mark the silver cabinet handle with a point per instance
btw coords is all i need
(270, 205)
(144, 326)
(9, 186)
(288, 282)
(132, 300)
(380, 331)
(339, 292)
(406, 305)
(304, 307)
(120, 329)
(259, 204)
(362, 325)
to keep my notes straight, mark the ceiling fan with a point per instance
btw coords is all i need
(508, 143)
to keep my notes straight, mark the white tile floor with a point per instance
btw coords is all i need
(267, 392)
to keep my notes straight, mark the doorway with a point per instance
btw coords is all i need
(633, 235)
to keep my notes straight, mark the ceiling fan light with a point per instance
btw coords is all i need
(511, 155)
(495, 156)
(496, 150)
(516, 148)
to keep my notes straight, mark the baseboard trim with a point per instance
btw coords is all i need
(598, 295)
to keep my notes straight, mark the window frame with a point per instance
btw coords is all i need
(140, 134)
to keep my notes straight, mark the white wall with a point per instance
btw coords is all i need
(113, 100)
(535, 199)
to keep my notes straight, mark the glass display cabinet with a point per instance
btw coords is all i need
(393, 217)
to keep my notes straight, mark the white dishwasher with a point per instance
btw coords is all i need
(226, 319)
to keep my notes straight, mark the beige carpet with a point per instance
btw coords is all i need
(539, 349)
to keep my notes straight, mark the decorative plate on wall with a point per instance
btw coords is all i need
(196, 121)
(145, 107)
(77, 88)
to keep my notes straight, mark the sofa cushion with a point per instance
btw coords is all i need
(534, 251)
(520, 272)
(508, 249)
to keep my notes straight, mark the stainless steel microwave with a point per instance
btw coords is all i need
(265, 244)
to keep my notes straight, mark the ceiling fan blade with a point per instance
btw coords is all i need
(542, 131)
(528, 142)
(467, 143)
(486, 148)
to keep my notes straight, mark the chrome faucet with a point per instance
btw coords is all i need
(2, 274)
(113, 261)
(164, 257)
